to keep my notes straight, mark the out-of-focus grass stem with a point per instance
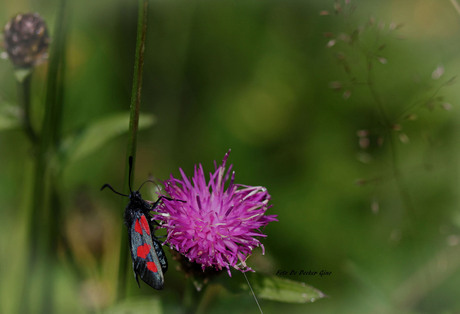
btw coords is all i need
(133, 128)
(24, 100)
(44, 220)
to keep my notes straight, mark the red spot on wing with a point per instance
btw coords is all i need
(145, 225)
(143, 250)
(137, 226)
(151, 266)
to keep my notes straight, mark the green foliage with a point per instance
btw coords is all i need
(95, 135)
(275, 288)
(9, 117)
(137, 305)
(21, 74)
(284, 290)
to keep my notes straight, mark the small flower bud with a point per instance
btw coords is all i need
(26, 40)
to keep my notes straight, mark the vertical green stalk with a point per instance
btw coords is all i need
(205, 297)
(55, 97)
(49, 147)
(191, 297)
(23, 85)
(44, 219)
(50, 135)
(32, 237)
(24, 101)
(198, 302)
(133, 128)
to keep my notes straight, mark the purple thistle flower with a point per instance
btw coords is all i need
(214, 226)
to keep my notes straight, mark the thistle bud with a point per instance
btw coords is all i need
(26, 40)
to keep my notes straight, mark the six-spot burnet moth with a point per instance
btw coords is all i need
(149, 260)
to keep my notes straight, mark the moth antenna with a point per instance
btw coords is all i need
(113, 190)
(155, 203)
(151, 181)
(254, 295)
(161, 197)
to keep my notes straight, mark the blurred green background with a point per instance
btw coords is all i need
(255, 76)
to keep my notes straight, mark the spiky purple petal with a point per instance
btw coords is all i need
(214, 226)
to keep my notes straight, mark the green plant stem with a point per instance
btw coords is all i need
(198, 302)
(136, 91)
(44, 219)
(48, 168)
(191, 297)
(34, 236)
(55, 95)
(385, 120)
(206, 297)
(402, 188)
(24, 100)
(133, 129)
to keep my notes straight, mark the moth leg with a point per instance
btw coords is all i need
(161, 198)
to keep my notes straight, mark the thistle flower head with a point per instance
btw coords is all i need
(26, 40)
(214, 225)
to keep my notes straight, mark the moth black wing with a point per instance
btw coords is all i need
(158, 247)
(146, 263)
(160, 254)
